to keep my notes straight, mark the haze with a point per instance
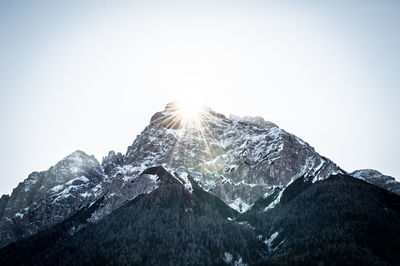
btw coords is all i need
(89, 75)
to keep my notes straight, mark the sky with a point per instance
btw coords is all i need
(89, 75)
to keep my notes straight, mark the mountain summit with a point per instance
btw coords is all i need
(199, 177)
(48, 197)
(237, 160)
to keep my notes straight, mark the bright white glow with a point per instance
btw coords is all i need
(190, 109)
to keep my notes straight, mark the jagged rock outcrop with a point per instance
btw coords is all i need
(257, 120)
(378, 179)
(48, 197)
(111, 161)
(3, 203)
(238, 161)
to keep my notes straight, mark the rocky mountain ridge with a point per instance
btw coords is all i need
(235, 160)
(338, 220)
(377, 178)
(238, 160)
(48, 197)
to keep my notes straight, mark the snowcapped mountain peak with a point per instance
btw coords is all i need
(193, 173)
(370, 173)
(79, 157)
(377, 178)
(256, 120)
(48, 197)
(77, 160)
(236, 159)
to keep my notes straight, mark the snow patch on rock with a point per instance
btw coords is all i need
(239, 205)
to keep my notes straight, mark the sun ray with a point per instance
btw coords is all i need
(191, 120)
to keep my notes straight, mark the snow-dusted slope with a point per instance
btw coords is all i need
(48, 197)
(378, 179)
(238, 161)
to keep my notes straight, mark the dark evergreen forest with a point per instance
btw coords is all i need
(337, 221)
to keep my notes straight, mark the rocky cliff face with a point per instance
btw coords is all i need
(378, 179)
(238, 160)
(48, 197)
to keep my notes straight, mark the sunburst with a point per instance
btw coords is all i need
(193, 119)
(190, 114)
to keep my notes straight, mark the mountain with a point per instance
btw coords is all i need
(173, 222)
(204, 190)
(48, 197)
(374, 177)
(237, 160)
(338, 220)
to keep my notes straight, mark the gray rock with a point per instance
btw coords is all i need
(256, 120)
(237, 160)
(111, 161)
(48, 197)
(378, 179)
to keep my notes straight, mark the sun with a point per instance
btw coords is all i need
(190, 110)
(189, 114)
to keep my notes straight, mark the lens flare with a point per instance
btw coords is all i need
(190, 111)
(191, 123)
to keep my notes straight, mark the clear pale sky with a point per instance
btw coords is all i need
(89, 75)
